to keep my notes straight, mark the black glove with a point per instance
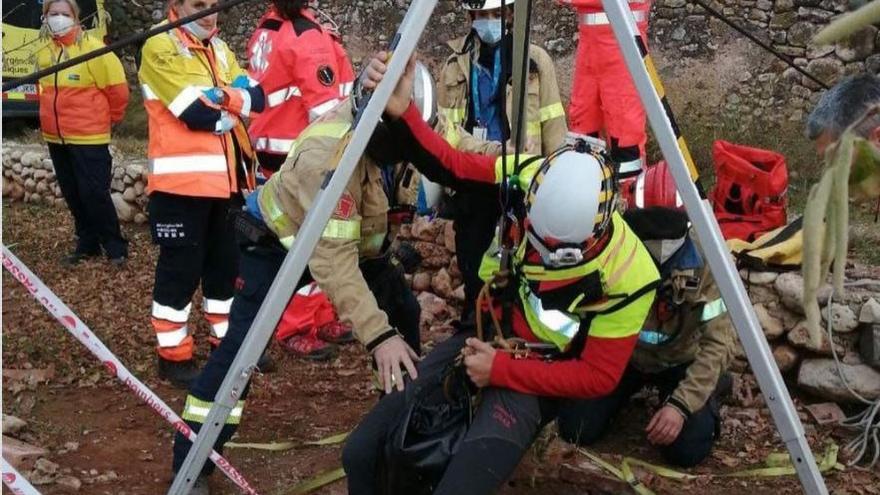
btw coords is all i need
(409, 258)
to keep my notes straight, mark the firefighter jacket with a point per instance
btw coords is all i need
(544, 117)
(304, 72)
(195, 144)
(356, 231)
(591, 312)
(687, 324)
(78, 104)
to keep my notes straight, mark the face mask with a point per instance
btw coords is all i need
(198, 31)
(489, 30)
(59, 25)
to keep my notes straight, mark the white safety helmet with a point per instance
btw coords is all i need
(485, 4)
(570, 202)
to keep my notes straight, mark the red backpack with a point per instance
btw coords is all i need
(749, 197)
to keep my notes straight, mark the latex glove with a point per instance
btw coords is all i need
(226, 123)
(389, 356)
(241, 82)
(665, 426)
(478, 360)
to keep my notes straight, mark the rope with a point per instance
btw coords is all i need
(866, 423)
(758, 42)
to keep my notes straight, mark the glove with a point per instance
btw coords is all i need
(241, 82)
(214, 95)
(226, 123)
(409, 258)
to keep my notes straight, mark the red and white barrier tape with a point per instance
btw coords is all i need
(82, 333)
(17, 484)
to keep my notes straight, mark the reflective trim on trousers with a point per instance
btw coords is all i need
(173, 338)
(168, 313)
(216, 306)
(219, 329)
(197, 410)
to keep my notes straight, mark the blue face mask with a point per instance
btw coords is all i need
(489, 30)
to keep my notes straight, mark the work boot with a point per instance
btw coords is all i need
(336, 332)
(266, 364)
(180, 373)
(309, 347)
(78, 256)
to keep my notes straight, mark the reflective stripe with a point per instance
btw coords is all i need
(148, 93)
(372, 245)
(318, 110)
(549, 325)
(276, 98)
(455, 114)
(173, 338)
(321, 129)
(168, 313)
(654, 337)
(219, 329)
(640, 191)
(345, 89)
(525, 175)
(551, 112)
(342, 229)
(184, 99)
(197, 410)
(187, 163)
(533, 129)
(287, 241)
(274, 145)
(713, 310)
(601, 19)
(216, 306)
(630, 166)
(245, 102)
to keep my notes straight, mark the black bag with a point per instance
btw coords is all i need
(437, 417)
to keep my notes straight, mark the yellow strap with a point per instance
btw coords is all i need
(551, 111)
(285, 446)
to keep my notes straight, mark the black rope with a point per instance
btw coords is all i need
(135, 38)
(758, 42)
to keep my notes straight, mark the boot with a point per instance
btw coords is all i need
(336, 333)
(266, 364)
(77, 256)
(310, 347)
(180, 373)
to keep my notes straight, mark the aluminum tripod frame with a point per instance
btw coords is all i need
(718, 256)
(295, 262)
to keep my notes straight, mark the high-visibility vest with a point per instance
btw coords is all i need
(78, 104)
(175, 69)
(304, 72)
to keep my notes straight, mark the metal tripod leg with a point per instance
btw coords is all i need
(294, 265)
(521, 15)
(732, 290)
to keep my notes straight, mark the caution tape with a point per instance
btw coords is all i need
(284, 446)
(17, 484)
(776, 464)
(85, 336)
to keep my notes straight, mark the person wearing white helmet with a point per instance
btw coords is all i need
(566, 316)
(352, 262)
(473, 81)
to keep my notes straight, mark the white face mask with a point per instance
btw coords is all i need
(59, 25)
(198, 31)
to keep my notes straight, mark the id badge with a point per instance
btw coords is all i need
(480, 133)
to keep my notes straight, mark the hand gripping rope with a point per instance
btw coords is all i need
(13, 480)
(88, 338)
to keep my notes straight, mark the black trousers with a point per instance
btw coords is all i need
(504, 426)
(476, 213)
(259, 265)
(586, 421)
(83, 172)
(196, 245)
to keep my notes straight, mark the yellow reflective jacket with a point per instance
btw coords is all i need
(544, 117)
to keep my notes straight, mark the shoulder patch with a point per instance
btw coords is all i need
(345, 207)
(326, 76)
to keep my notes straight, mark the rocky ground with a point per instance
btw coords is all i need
(94, 436)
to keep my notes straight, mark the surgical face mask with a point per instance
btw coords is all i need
(59, 25)
(198, 31)
(489, 30)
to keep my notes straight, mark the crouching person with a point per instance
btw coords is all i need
(351, 262)
(683, 350)
(580, 288)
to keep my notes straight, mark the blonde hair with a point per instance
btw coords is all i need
(72, 3)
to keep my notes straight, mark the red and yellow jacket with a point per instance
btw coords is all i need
(78, 104)
(191, 152)
(592, 311)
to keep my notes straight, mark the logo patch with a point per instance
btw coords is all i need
(326, 75)
(345, 208)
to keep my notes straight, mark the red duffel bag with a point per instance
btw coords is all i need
(749, 197)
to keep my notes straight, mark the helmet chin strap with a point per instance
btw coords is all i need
(562, 256)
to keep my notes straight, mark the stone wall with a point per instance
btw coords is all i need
(29, 176)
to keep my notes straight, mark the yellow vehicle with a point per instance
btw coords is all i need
(21, 42)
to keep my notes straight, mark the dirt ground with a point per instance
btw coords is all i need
(123, 447)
